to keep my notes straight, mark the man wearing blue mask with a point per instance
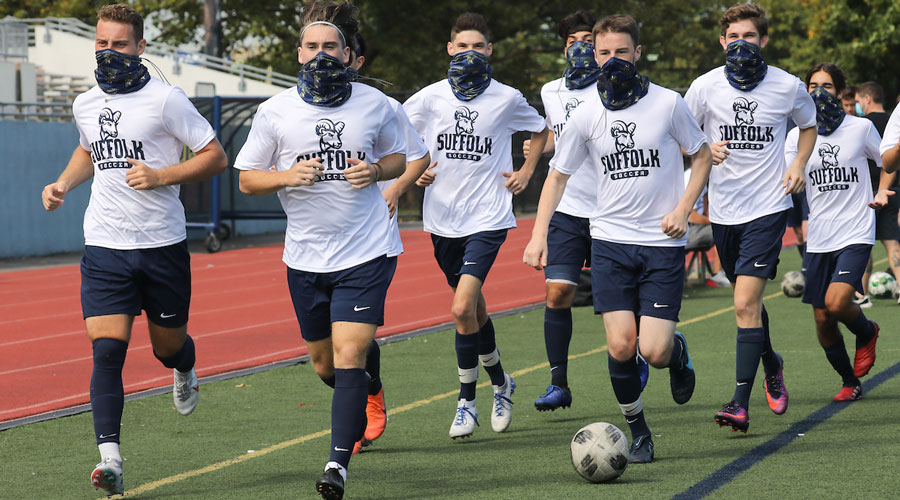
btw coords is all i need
(569, 236)
(132, 128)
(323, 138)
(744, 108)
(632, 134)
(468, 120)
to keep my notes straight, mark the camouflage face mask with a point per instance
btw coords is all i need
(325, 81)
(119, 73)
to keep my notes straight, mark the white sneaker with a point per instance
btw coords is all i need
(108, 475)
(186, 391)
(501, 415)
(718, 280)
(465, 421)
(864, 302)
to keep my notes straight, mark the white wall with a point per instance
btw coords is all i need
(69, 54)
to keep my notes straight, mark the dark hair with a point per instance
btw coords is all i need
(618, 23)
(343, 15)
(837, 76)
(849, 92)
(580, 20)
(121, 13)
(470, 21)
(742, 12)
(873, 90)
(358, 45)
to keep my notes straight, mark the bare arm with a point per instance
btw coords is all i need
(79, 169)
(890, 160)
(793, 178)
(536, 251)
(549, 147)
(208, 162)
(414, 170)
(674, 224)
(518, 180)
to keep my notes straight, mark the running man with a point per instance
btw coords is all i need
(744, 108)
(841, 225)
(132, 128)
(632, 133)
(468, 121)
(569, 237)
(417, 158)
(323, 138)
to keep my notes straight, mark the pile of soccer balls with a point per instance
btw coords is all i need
(882, 285)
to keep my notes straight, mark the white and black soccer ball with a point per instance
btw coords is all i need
(793, 283)
(600, 452)
(882, 285)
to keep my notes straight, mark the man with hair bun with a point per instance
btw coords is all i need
(331, 140)
(468, 120)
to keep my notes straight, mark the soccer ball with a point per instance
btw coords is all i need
(793, 283)
(882, 285)
(600, 452)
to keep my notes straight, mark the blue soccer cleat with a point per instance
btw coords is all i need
(555, 397)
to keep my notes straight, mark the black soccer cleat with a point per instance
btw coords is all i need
(682, 380)
(641, 450)
(331, 485)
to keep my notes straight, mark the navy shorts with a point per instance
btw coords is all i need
(355, 295)
(646, 280)
(846, 265)
(473, 254)
(751, 248)
(886, 227)
(568, 248)
(156, 280)
(799, 212)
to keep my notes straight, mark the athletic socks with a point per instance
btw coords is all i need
(840, 361)
(489, 355)
(771, 363)
(557, 335)
(107, 392)
(373, 368)
(749, 349)
(862, 328)
(626, 383)
(467, 363)
(348, 412)
(183, 360)
(802, 249)
(110, 451)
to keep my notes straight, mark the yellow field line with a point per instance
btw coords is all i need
(400, 409)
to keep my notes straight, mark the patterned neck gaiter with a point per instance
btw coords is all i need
(829, 111)
(620, 85)
(581, 68)
(744, 65)
(324, 81)
(119, 73)
(469, 74)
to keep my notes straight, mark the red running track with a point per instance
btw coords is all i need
(241, 317)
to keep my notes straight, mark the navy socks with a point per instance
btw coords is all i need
(489, 355)
(348, 412)
(373, 367)
(557, 335)
(750, 343)
(183, 360)
(626, 383)
(107, 392)
(467, 363)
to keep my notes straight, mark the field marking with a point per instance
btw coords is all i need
(400, 409)
(743, 463)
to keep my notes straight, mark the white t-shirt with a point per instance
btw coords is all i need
(415, 150)
(331, 226)
(749, 183)
(580, 196)
(838, 187)
(636, 153)
(471, 141)
(891, 133)
(151, 125)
